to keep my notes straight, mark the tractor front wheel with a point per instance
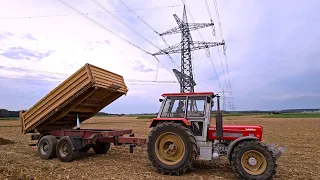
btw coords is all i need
(253, 160)
(172, 148)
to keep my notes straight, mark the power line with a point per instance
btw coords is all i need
(141, 19)
(218, 16)
(221, 33)
(103, 27)
(60, 80)
(218, 49)
(66, 74)
(136, 80)
(63, 15)
(146, 84)
(100, 5)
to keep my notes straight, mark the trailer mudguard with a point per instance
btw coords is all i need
(155, 121)
(235, 142)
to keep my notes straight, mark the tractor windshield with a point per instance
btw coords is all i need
(196, 106)
(174, 107)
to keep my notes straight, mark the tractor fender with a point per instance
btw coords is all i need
(235, 142)
(155, 121)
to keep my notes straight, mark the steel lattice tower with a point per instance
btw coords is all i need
(185, 76)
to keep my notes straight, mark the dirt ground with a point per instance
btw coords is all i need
(20, 161)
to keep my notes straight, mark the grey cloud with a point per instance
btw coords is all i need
(27, 91)
(105, 41)
(8, 33)
(99, 42)
(143, 68)
(30, 37)
(5, 35)
(92, 43)
(140, 67)
(13, 69)
(19, 53)
(2, 36)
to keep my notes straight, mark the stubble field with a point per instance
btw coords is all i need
(20, 161)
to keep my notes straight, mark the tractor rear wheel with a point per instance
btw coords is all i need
(172, 148)
(253, 160)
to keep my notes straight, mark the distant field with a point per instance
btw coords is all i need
(9, 118)
(293, 115)
(154, 116)
(146, 116)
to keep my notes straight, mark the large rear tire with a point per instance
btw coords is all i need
(47, 147)
(253, 160)
(172, 148)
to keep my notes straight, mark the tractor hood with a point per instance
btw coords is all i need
(232, 132)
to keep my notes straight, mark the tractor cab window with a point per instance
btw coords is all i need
(174, 107)
(196, 106)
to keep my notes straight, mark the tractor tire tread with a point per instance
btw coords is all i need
(235, 162)
(188, 165)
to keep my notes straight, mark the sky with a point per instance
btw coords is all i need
(271, 60)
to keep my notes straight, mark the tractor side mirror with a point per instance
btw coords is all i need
(160, 100)
(208, 99)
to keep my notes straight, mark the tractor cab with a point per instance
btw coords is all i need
(192, 107)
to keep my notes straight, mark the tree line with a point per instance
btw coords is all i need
(6, 113)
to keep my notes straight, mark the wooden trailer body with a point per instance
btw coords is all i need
(82, 95)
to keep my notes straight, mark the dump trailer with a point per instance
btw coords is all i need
(54, 121)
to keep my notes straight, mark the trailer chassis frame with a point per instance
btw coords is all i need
(90, 137)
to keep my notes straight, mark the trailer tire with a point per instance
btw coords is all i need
(260, 153)
(101, 148)
(182, 143)
(66, 150)
(85, 149)
(47, 147)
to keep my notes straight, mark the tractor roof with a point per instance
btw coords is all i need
(189, 94)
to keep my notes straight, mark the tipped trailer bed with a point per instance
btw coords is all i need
(54, 121)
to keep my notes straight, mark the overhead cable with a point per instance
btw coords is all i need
(100, 5)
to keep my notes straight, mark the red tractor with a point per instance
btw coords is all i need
(182, 133)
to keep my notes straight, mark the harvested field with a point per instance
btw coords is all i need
(19, 160)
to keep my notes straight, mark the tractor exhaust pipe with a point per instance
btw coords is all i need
(219, 124)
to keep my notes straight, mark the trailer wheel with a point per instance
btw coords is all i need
(47, 147)
(253, 160)
(172, 148)
(66, 149)
(101, 148)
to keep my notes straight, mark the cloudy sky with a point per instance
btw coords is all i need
(271, 50)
